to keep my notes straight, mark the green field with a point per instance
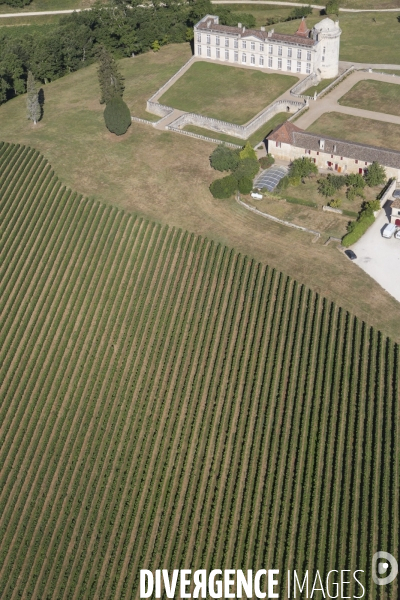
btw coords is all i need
(167, 401)
(358, 129)
(319, 87)
(374, 95)
(231, 94)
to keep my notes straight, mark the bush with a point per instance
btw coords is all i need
(352, 192)
(332, 7)
(326, 187)
(294, 181)
(357, 229)
(247, 167)
(224, 158)
(266, 161)
(336, 203)
(355, 180)
(245, 185)
(224, 187)
(117, 116)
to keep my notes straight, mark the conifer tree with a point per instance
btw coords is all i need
(110, 80)
(34, 110)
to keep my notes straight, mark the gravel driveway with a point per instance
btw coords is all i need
(380, 257)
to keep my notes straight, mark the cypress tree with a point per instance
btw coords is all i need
(34, 110)
(110, 80)
(117, 116)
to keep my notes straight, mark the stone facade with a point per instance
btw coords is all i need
(288, 142)
(305, 52)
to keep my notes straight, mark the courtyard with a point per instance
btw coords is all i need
(380, 257)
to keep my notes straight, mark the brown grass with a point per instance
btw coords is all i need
(374, 95)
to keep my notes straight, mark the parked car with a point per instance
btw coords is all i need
(389, 230)
(397, 234)
(256, 196)
(350, 254)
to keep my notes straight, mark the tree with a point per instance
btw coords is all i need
(110, 80)
(245, 185)
(117, 116)
(332, 7)
(336, 203)
(326, 187)
(266, 161)
(248, 152)
(376, 175)
(224, 158)
(224, 187)
(247, 167)
(303, 167)
(355, 180)
(34, 110)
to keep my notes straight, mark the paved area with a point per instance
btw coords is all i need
(380, 257)
(329, 103)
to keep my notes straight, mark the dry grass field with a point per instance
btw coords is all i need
(358, 129)
(374, 95)
(168, 401)
(166, 176)
(231, 94)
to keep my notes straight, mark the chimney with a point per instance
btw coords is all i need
(337, 23)
(244, 29)
(208, 24)
(240, 25)
(262, 28)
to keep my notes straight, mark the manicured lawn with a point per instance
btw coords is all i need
(318, 88)
(374, 95)
(228, 93)
(166, 177)
(366, 37)
(358, 129)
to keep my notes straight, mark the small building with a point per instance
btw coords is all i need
(288, 142)
(305, 51)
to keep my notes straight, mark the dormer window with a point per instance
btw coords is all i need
(322, 144)
(334, 148)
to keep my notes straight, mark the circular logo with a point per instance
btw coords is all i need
(380, 568)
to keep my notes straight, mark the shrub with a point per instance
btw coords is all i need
(355, 180)
(357, 229)
(294, 181)
(245, 185)
(326, 187)
(117, 116)
(337, 181)
(332, 7)
(336, 203)
(352, 192)
(247, 167)
(224, 187)
(266, 161)
(224, 158)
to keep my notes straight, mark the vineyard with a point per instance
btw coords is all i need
(166, 402)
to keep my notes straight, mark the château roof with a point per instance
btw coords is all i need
(302, 30)
(284, 133)
(209, 24)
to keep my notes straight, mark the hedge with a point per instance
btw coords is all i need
(300, 201)
(360, 228)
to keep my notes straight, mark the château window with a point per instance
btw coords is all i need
(289, 65)
(244, 59)
(226, 54)
(308, 55)
(299, 53)
(279, 63)
(227, 42)
(323, 50)
(235, 43)
(308, 68)
(270, 62)
(289, 52)
(199, 50)
(208, 39)
(217, 40)
(208, 52)
(253, 59)
(243, 44)
(271, 49)
(280, 50)
(252, 46)
(323, 59)
(261, 47)
(299, 67)
(261, 61)
(236, 57)
(199, 37)
(218, 53)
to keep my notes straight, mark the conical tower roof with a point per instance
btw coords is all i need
(302, 30)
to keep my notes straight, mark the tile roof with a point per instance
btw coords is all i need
(284, 133)
(302, 30)
(290, 134)
(210, 25)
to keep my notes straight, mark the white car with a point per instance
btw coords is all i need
(256, 196)
(389, 230)
(397, 234)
